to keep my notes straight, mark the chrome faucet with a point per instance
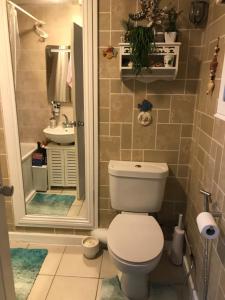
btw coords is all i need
(67, 123)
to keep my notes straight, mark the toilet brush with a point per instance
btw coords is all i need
(176, 253)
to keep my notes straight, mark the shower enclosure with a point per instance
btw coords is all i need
(31, 110)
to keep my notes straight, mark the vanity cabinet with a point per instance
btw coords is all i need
(62, 166)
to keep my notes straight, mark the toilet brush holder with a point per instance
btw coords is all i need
(176, 253)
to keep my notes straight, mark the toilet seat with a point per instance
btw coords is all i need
(135, 238)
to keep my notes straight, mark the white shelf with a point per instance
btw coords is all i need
(154, 73)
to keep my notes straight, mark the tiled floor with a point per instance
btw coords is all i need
(67, 275)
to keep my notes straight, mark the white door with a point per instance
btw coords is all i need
(7, 291)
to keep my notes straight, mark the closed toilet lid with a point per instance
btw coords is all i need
(135, 238)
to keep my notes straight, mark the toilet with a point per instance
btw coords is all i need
(135, 239)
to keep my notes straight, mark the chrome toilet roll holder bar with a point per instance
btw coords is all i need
(207, 201)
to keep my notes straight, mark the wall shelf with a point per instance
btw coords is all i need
(156, 58)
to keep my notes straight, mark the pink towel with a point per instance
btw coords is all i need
(69, 79)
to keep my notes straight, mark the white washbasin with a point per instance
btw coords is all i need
(60, 135)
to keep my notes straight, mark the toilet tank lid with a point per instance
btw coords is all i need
(138, 169)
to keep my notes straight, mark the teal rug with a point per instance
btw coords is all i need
(26, 264)
(50, 204)
(111, 291)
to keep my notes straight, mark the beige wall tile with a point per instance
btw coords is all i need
(126, 155)
(121, 108)
(163, 116)
(104, 92)
(182, 109)
(170, 157)
(137, 155)
(168, 136)
(186, 130)
(185, 148)
(109, 148)
(104, 128)
(126, 136)
(120, 11)
(164, 87)
(104, 115)
(104, 38)
(115, 129)
(144, 136)
(104, 5)
(104, 21)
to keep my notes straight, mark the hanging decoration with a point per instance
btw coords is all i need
(213, 69)
(149, 10)
(145, 117)
(110, 52)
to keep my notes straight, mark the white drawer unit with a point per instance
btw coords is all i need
(62, 166)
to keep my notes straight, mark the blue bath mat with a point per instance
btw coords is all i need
(26, 264)
(50, 204)
(111, 291)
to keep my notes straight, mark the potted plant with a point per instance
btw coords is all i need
(170, 24)
(142, 44)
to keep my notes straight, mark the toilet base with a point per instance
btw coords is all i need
(135, 286)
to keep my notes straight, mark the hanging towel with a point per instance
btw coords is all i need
(14, 38)
(69, 74)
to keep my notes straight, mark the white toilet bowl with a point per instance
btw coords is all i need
(135, 243)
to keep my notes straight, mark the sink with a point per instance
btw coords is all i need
(60, 135)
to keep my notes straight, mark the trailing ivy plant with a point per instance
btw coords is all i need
(142, 44)
(141, 40)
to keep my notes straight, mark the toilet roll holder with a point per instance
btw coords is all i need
(207, 201)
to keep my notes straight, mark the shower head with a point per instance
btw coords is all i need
(40, 32)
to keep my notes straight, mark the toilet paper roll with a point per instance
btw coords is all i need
(207, 226)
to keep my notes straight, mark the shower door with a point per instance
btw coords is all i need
(7, 291)
(78, 105)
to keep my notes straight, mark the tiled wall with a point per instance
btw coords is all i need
(168, 138)
(33, 109)
(208, 158)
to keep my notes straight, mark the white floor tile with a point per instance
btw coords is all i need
(17, 244)
(73, 263)
(41, 287)
(107, 269)
(71, 288)
(52, 260)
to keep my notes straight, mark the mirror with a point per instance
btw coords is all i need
(55, 179)
(58, 73)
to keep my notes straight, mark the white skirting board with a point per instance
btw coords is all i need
(193, 292)
(43, 238)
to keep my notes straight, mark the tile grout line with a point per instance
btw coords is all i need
(55, 272)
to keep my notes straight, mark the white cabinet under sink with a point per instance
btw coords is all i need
(62, 166)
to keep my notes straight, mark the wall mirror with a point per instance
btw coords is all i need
(58, 79)
(51, 111)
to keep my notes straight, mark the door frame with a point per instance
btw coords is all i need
(7, 289)
(91, 125)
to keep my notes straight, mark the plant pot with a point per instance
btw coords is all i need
(168, 60)
(159, 37)
(170, 37)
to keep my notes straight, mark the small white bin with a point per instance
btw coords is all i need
(40, 178)
(90, 247)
